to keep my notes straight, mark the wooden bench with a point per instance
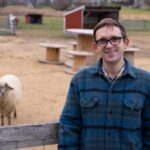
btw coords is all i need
(52, 53)
(32, 135)
(78, 61)
(129, 54)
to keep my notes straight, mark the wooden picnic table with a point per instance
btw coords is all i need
(52, 53)
(129, 54)
(84, 42)
(84, 38)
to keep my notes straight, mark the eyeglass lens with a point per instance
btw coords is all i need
(112, 40)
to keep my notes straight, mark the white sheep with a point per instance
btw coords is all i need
(10, 95)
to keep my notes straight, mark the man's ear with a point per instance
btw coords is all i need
(95, 48)
(126, 42)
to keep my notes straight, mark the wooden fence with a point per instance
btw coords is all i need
(23, 136)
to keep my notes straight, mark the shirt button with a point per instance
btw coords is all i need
(88, 104)
(108, 133)
(110, 112)
(110, 91)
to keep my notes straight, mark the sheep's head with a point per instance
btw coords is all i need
(4, 89)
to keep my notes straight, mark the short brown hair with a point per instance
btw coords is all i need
(110, 23)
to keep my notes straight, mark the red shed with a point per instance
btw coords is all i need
(88, 16)
(34, 18)
(74, 18)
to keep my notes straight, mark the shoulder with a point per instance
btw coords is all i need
(86, 72)
(141, 73)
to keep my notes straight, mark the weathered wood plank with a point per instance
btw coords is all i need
(21, 136)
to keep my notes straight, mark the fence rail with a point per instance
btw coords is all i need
(23, 136)
(6, 27)
(56, 23)
(136, 24)
(129, 24)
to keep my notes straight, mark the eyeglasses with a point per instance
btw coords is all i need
(115, 40)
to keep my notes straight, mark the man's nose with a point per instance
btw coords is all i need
(109, 44)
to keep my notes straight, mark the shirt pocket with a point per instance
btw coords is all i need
(88, 102)
(134, 102)
(132, 111)
(90, 107)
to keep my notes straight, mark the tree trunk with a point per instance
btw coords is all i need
(138, 3)
(3, 3)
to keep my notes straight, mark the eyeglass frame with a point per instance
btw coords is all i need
(109, 40)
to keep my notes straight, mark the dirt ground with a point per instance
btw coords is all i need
(45, 85)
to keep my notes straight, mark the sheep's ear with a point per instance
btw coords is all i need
(9, 87)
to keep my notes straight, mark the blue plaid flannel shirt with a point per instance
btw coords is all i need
(99, 115)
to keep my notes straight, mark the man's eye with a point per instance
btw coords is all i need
(115, 39)
(102, 41)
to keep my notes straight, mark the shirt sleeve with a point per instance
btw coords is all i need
(146, 124)
(70, 121)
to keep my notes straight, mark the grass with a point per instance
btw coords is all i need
(134, 14)
(52, 27)
(49, 23)
(135, 19)
(134, 11)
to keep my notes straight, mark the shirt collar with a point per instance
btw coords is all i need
(119, 74)
(128, 70)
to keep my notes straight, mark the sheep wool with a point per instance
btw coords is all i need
(10, 96)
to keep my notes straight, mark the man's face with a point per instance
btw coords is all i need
(111, 51)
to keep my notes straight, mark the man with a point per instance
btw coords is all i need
(108, 105)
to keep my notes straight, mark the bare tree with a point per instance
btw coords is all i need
(138, 3)
(3, 3)
(147, 2)
(34, 3)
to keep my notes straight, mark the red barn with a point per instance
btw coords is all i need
(88, 16)
(74, 18)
